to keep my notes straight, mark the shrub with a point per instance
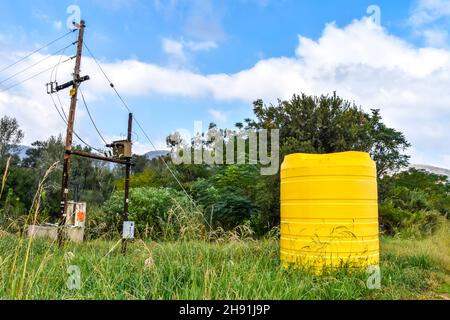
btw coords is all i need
(223, 206)
(151, 209)
(398, 221)
(412, 201)
(231, 210)
(100, 224)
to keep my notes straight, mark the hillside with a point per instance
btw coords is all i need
(156, 154)
(435, 170)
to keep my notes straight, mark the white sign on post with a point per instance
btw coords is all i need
(128, 230)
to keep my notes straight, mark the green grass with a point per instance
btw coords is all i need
(413, 269)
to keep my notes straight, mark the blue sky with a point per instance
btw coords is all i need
(178, 61)
(245, 30)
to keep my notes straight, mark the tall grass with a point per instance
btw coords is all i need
(202, 270)
(19, 279)
(5, 176)
(194, 261)
(232, 267)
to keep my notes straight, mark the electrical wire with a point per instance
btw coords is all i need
(32, 77)
(134, 118)
(36, 63)
(61, 112)
(57, 110)
(90, 117)
(64, 119)
(143, 131)
(37, 50)
(55, 70)
(62, 107)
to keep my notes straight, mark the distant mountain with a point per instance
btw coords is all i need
(156, 154)
(22, 152)
(435, 170)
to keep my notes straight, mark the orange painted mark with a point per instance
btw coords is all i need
(81, 216)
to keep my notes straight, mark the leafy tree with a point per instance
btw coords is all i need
(386, 146)
(324, 124)
(430, 189)
(39, 158)
(222, 207)
(232, 196)
(149, 177)
(329, 124)
(412, 200)
(140, 163)
(231, 210)
(423, 180)
(10, 136)
(91, 181)
(43, 154)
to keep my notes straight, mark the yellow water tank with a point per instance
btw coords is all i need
(329, 211)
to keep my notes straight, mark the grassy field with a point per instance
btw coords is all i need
(411, 269)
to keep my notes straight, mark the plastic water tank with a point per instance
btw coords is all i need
(329, 211)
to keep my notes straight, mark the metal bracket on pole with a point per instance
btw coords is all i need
(53, 87)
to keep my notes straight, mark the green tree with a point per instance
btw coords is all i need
(413, 200)
(329, 124)
(325, 124)
(91, 181)
(10, 136)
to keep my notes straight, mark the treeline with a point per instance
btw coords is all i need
(91, 181)
(228, 196)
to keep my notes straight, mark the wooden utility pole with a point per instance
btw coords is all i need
(69, 134)
(122, 149)
(127, 182)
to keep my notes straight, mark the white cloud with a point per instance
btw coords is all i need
(428, 11)
(178, 47)
(174, 49)
(43, 17)
(436, 37)
(200, 45)
(430, 20)
(179, 51)
(373, 68)
(218, 116)
(361, 61)
(57, 25)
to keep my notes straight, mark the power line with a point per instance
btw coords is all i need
(90, 117)
(37, 50)
(57, 110)
(138, 123)
(57, 67)
(32, 77)
(55, 70)
(36, 63)
(61, 105)
(64, 119)
(62, 113)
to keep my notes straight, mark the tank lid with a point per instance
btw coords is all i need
(341, 159)
(349, 155)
